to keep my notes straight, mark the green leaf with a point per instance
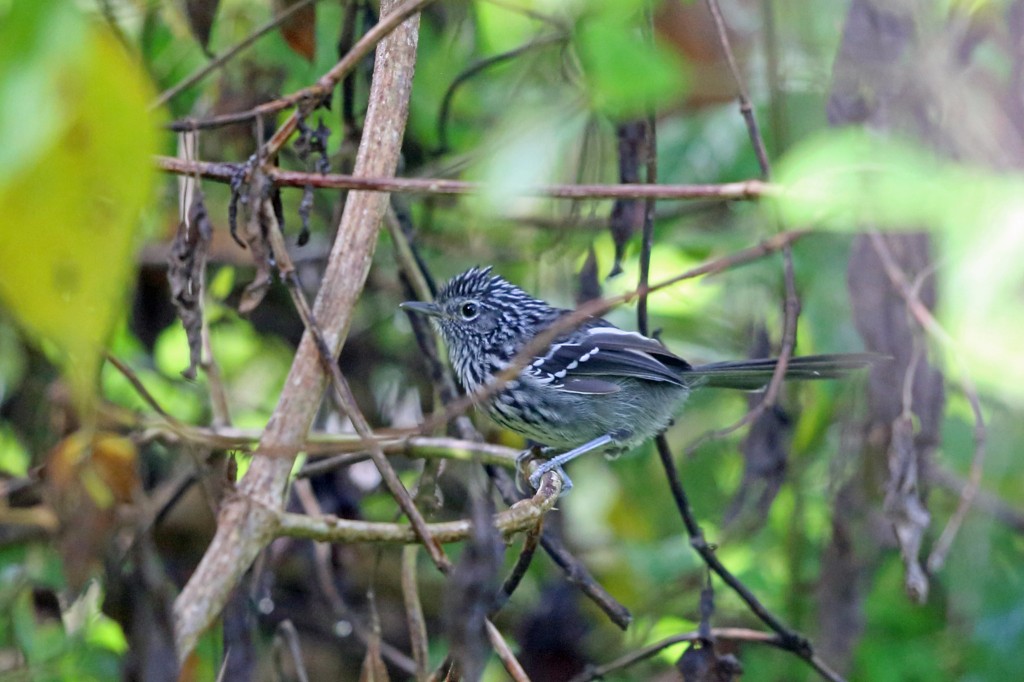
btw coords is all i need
(14, 458)
(856, 180)
(848, 179)
(72, 203)
(530, 149)
(626, 73)
(35, 35)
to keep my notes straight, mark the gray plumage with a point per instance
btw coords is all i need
(597, 385)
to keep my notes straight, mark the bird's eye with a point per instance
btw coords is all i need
(469, 310)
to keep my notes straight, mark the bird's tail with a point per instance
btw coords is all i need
(751, 375)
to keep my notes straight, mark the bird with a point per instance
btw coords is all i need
(596, 387)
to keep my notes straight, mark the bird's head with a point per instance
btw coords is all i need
(483, 318)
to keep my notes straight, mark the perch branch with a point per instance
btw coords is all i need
(520, 517)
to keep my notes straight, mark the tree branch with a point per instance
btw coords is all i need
(224, 172)
(247, 521)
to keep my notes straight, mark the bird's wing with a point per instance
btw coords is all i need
(589, 361)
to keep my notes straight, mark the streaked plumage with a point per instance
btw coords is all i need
(595, 383)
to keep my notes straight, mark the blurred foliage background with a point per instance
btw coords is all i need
(900, 118)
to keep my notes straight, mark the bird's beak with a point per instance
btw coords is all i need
(429, 309)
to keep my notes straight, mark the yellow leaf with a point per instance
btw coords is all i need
(71, 209)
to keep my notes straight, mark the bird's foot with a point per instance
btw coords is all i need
(530, 485)
(544, 468)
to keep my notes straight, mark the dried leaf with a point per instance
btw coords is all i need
(765, 455)
(700, 663)
(262, 257)
(186, 273)
(299, 29)
(106, 459)
(864, 90)
(627, 215)
(87, 475)
(312, 142)
(373, 669)
(200, 15)
(589, 283)
(880, 314)
(904, 507)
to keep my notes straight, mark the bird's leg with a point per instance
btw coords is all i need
(557, 461)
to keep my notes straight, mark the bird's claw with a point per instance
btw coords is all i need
(544, 468)
(522, 461)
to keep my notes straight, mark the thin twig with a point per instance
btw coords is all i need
(791, 305)
(287, 632)
(575, 570)
(418, 283)
(224, 172)
(651, 205)
(229, 54)
(325, 579)
(726, 634)
(788, 639)
(313, 93)
(476, 68)
(319, 444)
(508, 659)
(795, 642)
(791, 311)
(518, 572)
(406, 258)
(343, 393)
(421, 448)
(984, 500)
(321, 552)
(746, 108)
(210, 493)
(218, 394)
(128, 373)
(414, 612)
